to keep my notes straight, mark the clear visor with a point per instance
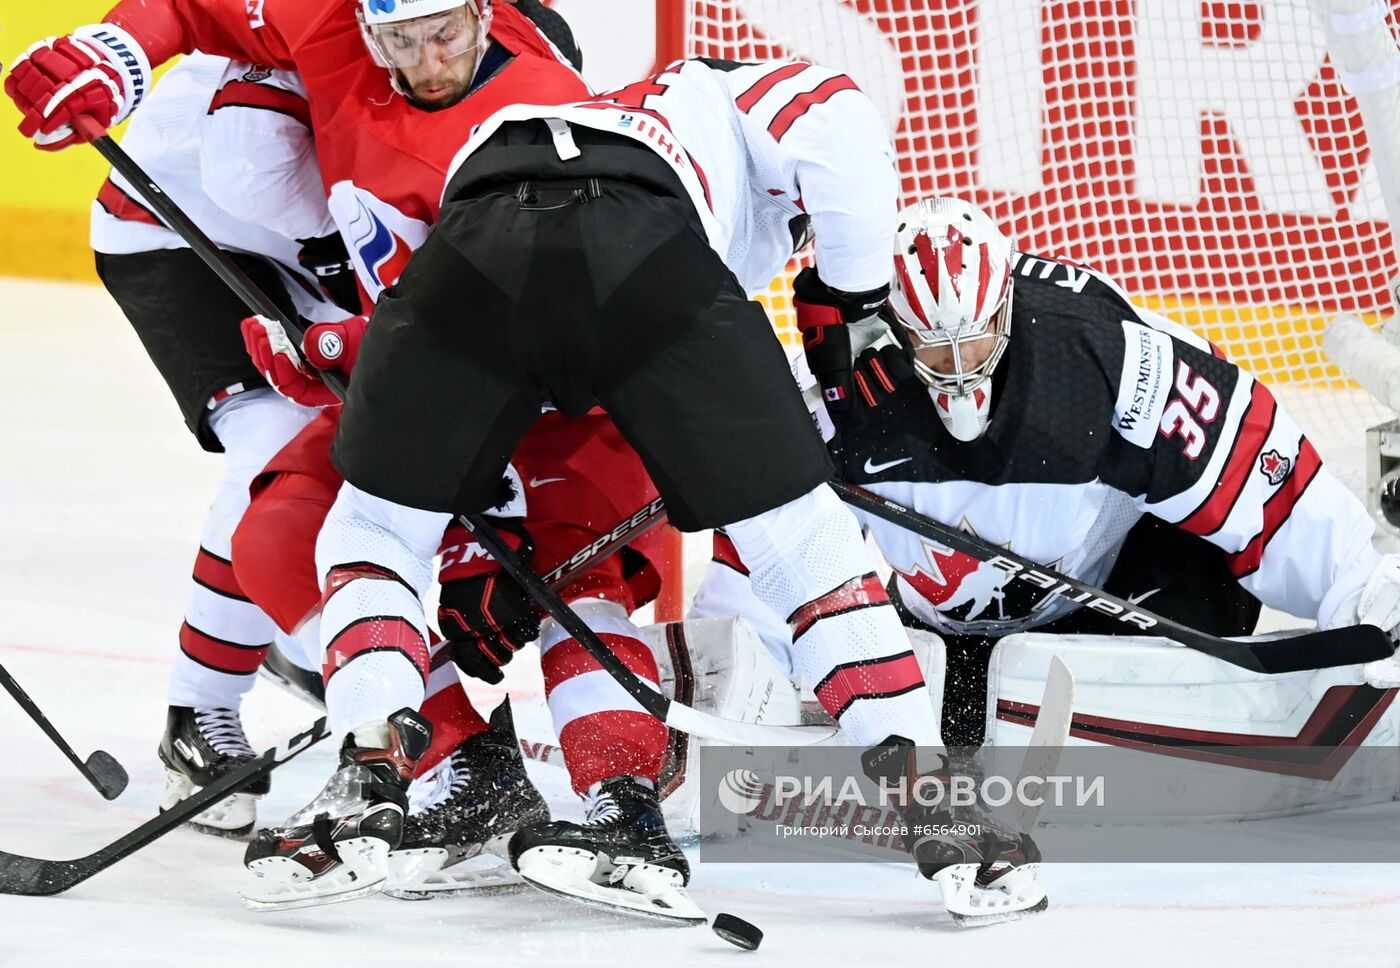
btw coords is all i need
(440, 36)
(960, 364)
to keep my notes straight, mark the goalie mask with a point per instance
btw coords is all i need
(952, 297)
(431, 48)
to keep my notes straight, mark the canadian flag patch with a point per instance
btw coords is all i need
(1274, 466)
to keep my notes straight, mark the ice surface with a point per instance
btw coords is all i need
(102, 492)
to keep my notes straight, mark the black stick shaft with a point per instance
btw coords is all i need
(36, 876)
(1312, 650)
(109, 787)
(258, 301)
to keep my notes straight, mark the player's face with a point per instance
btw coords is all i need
(973, 352)
(435, 56)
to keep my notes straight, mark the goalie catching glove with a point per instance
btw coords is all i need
(327, 346)
(483, 613)
(836, 328)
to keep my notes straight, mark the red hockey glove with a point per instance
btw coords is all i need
(60, 81)
(483, 613)
(822, 317)
(276, 358)
(335, 346)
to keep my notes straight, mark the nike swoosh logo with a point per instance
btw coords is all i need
(878, 468)
(537, 481)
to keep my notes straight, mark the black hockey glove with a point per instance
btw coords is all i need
(880, 370)
(483, 613)
(823, 314)
(328, 260)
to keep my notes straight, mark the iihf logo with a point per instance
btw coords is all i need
(1274, 466)
(740, 791)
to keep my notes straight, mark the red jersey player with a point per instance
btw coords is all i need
(382, 173)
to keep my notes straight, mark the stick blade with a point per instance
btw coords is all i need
(106, 774)
(30, 876)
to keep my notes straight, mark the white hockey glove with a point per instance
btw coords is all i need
(1379, 605)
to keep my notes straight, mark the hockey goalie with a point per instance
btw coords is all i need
(1027, 401)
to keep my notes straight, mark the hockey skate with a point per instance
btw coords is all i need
(986, 873)
(461, 816)
(620, 858)
(336, 848)
(200, 746)
(987, 881)
(288, 676)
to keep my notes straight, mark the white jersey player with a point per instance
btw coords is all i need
(211, 129)
(601, 253)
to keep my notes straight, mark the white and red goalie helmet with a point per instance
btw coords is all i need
(952, 296)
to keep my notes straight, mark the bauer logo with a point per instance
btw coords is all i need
(740, 791)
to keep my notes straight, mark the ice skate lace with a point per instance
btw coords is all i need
(602, 809)
(223, 731)
(438, 785)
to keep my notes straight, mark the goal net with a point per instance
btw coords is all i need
(1210, 156)
(1204, 154)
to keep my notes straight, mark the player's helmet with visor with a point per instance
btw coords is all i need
(400, 33)
(952, 296)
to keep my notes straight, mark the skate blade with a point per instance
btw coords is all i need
(1017, 894)
(654, 893)
(984, 920)
(423, 873)
(232, 817)
(282, 884)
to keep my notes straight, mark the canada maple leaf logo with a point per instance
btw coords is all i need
(1274, 466)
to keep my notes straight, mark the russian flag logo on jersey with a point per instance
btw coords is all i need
(380, 237)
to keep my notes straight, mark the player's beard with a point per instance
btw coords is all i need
(454, 87)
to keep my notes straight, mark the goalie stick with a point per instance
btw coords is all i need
(672, 713)
(34, 876)
(101, 768)
(1323, 649)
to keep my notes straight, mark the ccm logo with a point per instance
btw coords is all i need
(1054, 586)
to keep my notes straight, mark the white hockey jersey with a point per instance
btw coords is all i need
(229, 143)
(1104, 412)
(757, 146)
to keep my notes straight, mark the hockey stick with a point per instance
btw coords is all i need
(34, 876)
(1323, 649)
(673, 714)
(31, 875)
(101, 769)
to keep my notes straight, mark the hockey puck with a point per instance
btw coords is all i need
(737, 931)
